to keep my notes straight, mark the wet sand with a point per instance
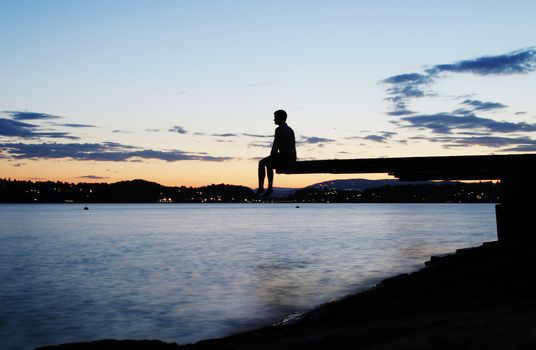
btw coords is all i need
(476, 298)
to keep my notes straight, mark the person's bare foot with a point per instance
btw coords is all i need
(260, 190)
(268, 192)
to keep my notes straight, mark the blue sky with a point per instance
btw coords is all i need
(182, 92)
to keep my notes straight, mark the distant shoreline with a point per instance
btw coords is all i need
(349, 191)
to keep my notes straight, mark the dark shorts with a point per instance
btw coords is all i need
(278, 161)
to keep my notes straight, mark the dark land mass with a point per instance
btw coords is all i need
(361, 184)
(479, 298)
(421, 192)
(340, 191)
(134, 191)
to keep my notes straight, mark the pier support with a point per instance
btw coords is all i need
(516, 214)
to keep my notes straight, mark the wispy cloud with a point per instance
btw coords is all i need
(227, 134)
(382, 136)
(480, 105)
(257, 135)
(404, 87)
(409, 78)
(264, 144)
(314, 140)
(178, 129)
(521, 148)
(376, 138)
(74, 125)
(23, 115)
(106, 151)
(92, 177)
(16, 125)
(471, 106)
(15, 128)
(517, 62)
(445, 123)
(519, 143)
(233, 134)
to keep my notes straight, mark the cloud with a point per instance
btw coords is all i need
(92, 177)
(383, 136)
(480, 105)
(18, 115)
(375, 138)
(119, 131)
(179, 129)
(445, 123)
(265, 144)
(522, 148)
(257, 135)
(517, 62)
(10, 127)
(153, 130)
(228, 134)
(401, 111)
(106, 151)
(224, 134)
(404, 87)
(17, 127)
(520, 143)
(232, 134)
(74, 125)
(410, 78)
(14, 128)
(314, 140)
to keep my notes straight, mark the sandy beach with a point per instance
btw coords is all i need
(482, 297)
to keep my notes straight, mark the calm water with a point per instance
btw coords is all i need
(181, 272)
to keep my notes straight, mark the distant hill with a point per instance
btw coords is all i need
(362, 184)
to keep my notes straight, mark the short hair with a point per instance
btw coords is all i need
(281, 114)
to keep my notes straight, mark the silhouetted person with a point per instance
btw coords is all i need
(283, 152)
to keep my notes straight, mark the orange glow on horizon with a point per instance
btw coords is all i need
(187, 173)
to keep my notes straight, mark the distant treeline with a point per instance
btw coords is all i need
(135, 191)
(141, 191)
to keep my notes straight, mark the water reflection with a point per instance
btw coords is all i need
(182, 273)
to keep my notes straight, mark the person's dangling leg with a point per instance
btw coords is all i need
(270, 173)
(262, 174)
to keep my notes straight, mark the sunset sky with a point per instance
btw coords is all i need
(183, 92)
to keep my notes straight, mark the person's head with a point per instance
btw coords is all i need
(280, 117)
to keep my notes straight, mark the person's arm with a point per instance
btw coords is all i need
(275, 145)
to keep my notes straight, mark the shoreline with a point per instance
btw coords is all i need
(481, 297)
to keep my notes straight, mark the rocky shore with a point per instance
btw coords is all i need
(476, 298)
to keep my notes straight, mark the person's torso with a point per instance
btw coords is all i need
(286, 140)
